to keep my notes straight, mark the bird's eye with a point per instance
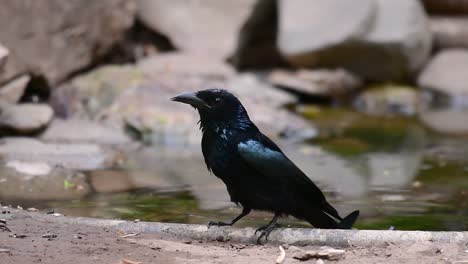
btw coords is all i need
(217, 100)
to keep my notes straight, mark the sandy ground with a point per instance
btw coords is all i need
(44, 240)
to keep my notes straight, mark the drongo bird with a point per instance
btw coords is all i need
(257, 174)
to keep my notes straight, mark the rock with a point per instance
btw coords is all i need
(449, 32)
(393, 35)
(53, 38)
(256, 45)
(444, 98)
(40, 181)
(306, 27)
(447, 73)
(84, 131)
(12, 91)
(185, 64)
(24, 119)
(210, 27)
(30, 168)
(388, 99)
(459, 7)
(329, 83)
(87, 94)
(324, 253)
(72, 156)
(138, 96)
(4, 52)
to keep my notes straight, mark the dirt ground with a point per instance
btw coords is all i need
(44, 240)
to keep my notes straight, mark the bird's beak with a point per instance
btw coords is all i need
(191, 99)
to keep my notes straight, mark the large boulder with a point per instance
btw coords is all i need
(208, 27)
(55, 38)
(376, 39)
(138, 96)
(445, 84)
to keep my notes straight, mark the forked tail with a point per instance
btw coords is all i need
(349, 220)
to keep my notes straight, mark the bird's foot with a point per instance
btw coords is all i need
(214, 223)
(265, 232)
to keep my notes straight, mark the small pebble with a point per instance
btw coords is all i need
(18, 235)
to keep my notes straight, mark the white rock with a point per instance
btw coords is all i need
(447, 72)
(12, 91)
(208, 27)
(25, 118)
(4, 52)
(375, 39)
(31, 168)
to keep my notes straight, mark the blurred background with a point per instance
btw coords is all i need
(368, 97)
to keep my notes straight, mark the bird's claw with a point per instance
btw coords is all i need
(214, 223)
(265, 232)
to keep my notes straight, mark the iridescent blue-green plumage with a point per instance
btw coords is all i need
(257, 174)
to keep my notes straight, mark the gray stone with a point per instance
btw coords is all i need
(73, 156)
(84, 131)
(24, 118)
(309, 26)
(139, 96)
(209, 27)
(185, 64)
(447, 73)
(375, 39)
(388, 99)
(54, 38)
(4, 52)
(292, 236)
(87, 94)
(330, 83)
(12, 91)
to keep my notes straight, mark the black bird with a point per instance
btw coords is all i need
(258, 175)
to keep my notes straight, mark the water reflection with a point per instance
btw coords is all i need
(393, 170)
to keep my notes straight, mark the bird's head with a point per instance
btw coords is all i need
(216, 107)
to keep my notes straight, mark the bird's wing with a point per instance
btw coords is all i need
(267, 158)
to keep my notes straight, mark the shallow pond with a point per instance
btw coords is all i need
(393, 169)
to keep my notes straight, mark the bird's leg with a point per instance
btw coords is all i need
(245, 211)
(266, 230)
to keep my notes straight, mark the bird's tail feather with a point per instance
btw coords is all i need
(349, 220)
